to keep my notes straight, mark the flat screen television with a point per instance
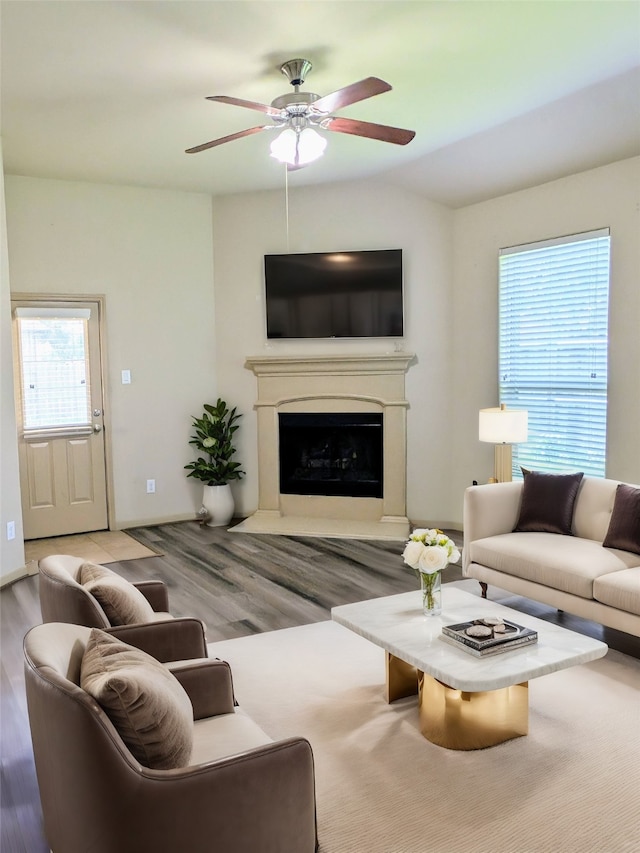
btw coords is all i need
(334, 294)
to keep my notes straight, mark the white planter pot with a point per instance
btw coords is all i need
(218, 501)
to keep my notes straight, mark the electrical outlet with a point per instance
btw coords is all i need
(151, 486)
(11, 530)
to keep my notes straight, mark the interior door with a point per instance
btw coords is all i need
(60, 414)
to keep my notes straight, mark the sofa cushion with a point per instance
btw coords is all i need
(547, 502)
(224, 735)
(594, 504)
(147, 705)
(122, 603)
(624, 527)
(566, 563)
(620, 590)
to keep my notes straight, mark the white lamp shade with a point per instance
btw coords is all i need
(310, 146)
(503, 426)
(298, 148)
(283, 147)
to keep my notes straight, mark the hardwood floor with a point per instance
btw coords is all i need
(238, 584)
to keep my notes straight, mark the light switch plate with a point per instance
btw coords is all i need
(126, 377)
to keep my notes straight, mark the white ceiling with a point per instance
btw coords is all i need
(502, 95)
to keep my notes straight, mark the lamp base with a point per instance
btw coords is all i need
(503, 463)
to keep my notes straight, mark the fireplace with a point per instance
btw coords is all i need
(331, 454)
(331, 440)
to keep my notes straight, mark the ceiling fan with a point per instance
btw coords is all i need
(298, 113)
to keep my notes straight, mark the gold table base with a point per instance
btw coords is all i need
(459, 719)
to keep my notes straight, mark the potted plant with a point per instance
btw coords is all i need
(213, 439)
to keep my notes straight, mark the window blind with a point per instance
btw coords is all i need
(554, 299)
(54, 368)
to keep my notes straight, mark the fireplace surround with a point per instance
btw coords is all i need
(362, 387)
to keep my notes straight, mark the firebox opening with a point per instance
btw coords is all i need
(331, 454)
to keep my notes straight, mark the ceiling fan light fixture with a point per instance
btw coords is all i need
(298, 147)
(310, 146)
(297, 113)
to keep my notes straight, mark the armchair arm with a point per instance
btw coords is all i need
(253, 802)
(156, 593)
(488, 511)
(208, 684)
(174, 639)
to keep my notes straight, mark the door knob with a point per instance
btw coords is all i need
(97, 413)
(97, 427)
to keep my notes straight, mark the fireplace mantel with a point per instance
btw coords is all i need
(331, 383)
(391, 363)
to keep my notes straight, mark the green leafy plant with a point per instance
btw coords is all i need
(213, 437)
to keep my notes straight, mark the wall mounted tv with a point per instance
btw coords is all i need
(334, 294)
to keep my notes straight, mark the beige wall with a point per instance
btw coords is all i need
(153, 256)
(11, 551)
(605, 197)
(451, 292)
(359, 215)
(150, 253)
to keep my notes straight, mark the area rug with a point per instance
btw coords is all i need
(570, 786)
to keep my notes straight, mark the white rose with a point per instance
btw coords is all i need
(433, 559)
(412, 553)
(454, 555)
(418, 534)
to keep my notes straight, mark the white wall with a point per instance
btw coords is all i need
(11, 551)
(150, 253)
(358, 215)
(604, 197)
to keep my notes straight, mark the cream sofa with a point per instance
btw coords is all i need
(573, 573)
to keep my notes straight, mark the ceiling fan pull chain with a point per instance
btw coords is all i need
(286, 202)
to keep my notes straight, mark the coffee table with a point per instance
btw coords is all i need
(465, 702)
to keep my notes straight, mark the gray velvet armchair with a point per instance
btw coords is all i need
(239, 792)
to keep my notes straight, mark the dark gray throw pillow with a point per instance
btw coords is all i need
(547, 502)
(624, 525)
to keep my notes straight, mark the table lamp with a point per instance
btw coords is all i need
(502, 427)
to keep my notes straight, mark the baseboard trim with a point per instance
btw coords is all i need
(30, 568)
(153, 522)
(440, 525)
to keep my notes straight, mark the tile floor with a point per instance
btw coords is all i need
(104, 546)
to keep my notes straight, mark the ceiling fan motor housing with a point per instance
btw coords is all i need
(295, 70)
(295, 103)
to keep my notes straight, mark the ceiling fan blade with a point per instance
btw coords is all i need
(366, 88)
(383, 132)
(250, 105)
(224, 139)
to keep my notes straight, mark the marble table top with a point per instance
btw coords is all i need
(397, 624)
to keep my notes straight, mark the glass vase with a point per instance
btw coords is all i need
(431, 586)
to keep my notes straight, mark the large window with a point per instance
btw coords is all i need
(554, 299)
